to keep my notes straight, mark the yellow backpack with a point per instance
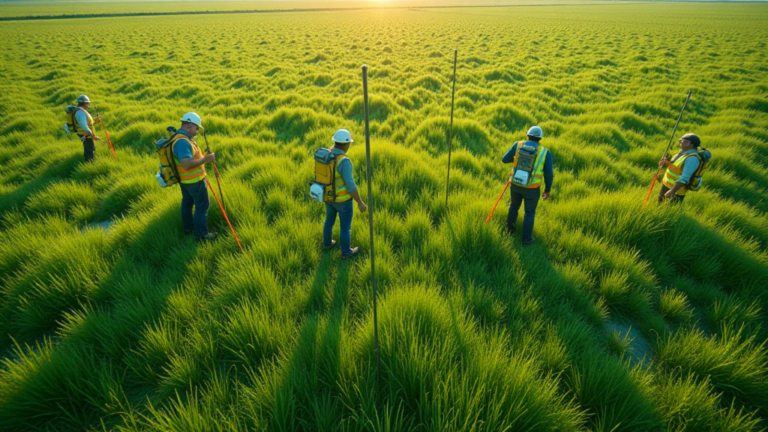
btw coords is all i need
(168, 174)
(323, 188)
(71, 125)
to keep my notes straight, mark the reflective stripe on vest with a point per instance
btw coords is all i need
(342, 194)
(195, 174)
(537, 174)
(674, 172)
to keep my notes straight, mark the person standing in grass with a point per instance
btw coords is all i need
(84, 127)
(346, 191)
(528, 191)
(680, 170)
(190, 162)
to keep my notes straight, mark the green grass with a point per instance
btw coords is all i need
(616, 319)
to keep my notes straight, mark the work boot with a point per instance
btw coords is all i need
(511, 229)
(354, 252)
(530, 242)
(189, 232)
(330, 246)
(211, 236)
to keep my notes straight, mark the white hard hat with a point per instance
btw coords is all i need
(535, 131)
(342, 136)
(193, 118)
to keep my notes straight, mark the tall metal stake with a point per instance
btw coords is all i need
(450, 129)
(370, 227)
(666, 152)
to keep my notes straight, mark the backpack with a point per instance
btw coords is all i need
(323, 188)
(71, 125)
(168, 174)
(696, 179)
(523, 169)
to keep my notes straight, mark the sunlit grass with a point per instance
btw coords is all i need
(139, 328)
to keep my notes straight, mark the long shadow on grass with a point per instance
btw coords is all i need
(307, 397)
(68, 381)
(602, 384)
(56, 170)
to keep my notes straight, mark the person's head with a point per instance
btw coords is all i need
(689, 141)
(342, 139)
(535, 134)
(190, 123)
(83, 101)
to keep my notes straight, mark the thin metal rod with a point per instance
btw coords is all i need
(370, 228)
(669, 145)
(674, 131)
(450, 129)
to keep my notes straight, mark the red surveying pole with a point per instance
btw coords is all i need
(215, 168)
(370, 227)
(104, 128)
(666, 152)
(224, 212)
(493, 209)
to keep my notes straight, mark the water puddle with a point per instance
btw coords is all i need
(103, 225)
(639, 351)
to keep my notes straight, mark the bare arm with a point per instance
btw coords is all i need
(676, 187)
(190, 163)
(360, 204)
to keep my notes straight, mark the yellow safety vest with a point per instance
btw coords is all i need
(89, 121)
(342, 195)
(195, 174)
(537, 174)
(674, 172)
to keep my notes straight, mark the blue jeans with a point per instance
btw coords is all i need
(345, 211)
(531, 198)
(195, 195)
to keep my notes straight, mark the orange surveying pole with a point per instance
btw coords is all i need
(237, 239)
(497, 201)
(104, 128)
(215, 168)
(666, 152)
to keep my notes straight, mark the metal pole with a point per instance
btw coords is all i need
(666, 152)
(370, 228)
(450, 129)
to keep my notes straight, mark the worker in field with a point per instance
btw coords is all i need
(531, 166)
(190, 162)
(684, 170)
(345, 191)
(81, 122)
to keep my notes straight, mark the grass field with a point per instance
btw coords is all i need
(616, 319)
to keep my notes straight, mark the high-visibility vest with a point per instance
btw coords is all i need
(89, 121)
(674, 172)
(537, 174)
(342, 195)
(195, 174)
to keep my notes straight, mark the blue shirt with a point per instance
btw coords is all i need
(689, 166)
(548, 173)
(183, 148)
(345, 169)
